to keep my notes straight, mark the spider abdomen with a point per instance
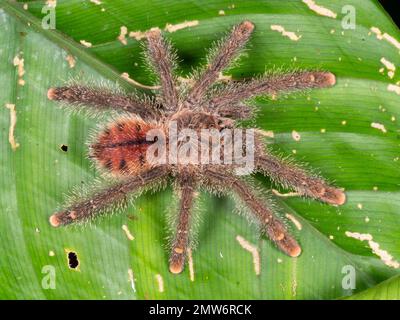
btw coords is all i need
(121, 147)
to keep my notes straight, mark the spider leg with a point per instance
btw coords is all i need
(237, 111)
(268, 221)
(162, 60)
(227, 51)
(272, 85)
(105, 199)
(102, 99)
(181, 238)
(299, 180)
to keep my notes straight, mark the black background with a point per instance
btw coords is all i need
(392, 7)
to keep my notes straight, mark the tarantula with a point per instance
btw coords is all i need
(122, 147)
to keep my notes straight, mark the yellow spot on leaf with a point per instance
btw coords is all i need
(378, 126)
(180, 26)
(386, 37)
(122, 35)
(85, 43)
(190, 263)
(160, 282)
(71, 61)
(296, 136)
(320, 9)
(127, 232)
(375, 247)
(125, 76)
(295, 221)
(394, 88)
(291, 35)
(253, 250)
(13, 122)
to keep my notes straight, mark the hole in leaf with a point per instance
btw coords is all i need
(64, 147)
(73, 261)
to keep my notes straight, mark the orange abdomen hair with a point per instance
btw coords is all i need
(121, 147)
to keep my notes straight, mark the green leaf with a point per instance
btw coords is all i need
(337, 139)
(386, 290)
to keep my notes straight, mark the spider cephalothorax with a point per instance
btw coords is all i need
(123, 147)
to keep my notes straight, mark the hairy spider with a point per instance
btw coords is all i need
(122, 147)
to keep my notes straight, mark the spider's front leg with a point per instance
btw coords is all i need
(180, 244)
(265, 216)
(298, 179)
(102, 99)
(163, 61)
(226, 52)
(238, 111)
(269, 85)
(107, 198)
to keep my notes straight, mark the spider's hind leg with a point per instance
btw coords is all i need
(298, 179)
(269, 223)
(180, 243)
(107, 198)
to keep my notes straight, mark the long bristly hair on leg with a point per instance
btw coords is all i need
(84, 193)
(212, 52)
(277, 78)
(301, 170)
(87, 190)
(170, 57)
(243, 210)
(93, 86)
(172, 212)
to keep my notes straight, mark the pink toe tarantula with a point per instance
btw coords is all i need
(159, 140)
